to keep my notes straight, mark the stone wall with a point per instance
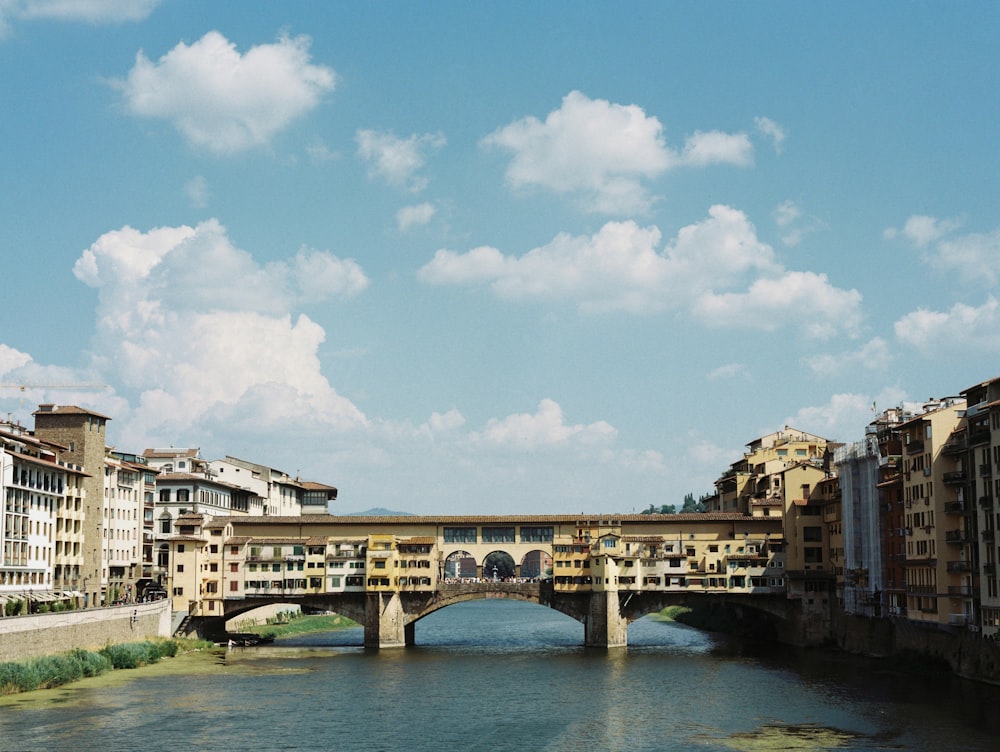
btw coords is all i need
(969, 654)
(24, 637)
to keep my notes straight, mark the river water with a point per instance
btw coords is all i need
(500, 675)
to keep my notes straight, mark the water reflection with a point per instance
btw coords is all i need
(511, 676)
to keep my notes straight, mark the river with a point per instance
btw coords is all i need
(498, 676)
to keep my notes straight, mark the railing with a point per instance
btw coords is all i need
(986, 501)
(960, 566)
(957, 536)
(988, 536)
(914, 447)
(963, 590)
(954, 507)
(955, 476)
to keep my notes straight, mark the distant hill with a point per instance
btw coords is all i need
(378, 512)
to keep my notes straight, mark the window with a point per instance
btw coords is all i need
(233, 586)
(813, 534)
(536, 534)
(180, 548)
(498, 535)
(180, 567)
(460, 535)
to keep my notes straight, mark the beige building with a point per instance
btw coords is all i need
(939, 564)
(83, 434)
(979, 447)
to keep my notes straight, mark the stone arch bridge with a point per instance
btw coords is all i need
(390, 619)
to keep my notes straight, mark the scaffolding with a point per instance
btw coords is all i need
(857, 467)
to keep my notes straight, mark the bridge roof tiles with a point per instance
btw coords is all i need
(590, 519)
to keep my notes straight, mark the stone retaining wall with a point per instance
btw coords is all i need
(31, 636)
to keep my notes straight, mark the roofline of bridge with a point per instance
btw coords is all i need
(587, 519)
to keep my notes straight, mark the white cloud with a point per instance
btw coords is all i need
(205, 333)
(225, 101)
(727, 372)
(593, 148)
(922, 230)
(601, 153)
(800, 300)
(794, 225)
(963, 328)
(397, 160)
(716, 147)
(546, 427)
(975, 257)
(842, 418)
(87, 11)
(197, 192)
(11, 359)
(872, 356)
(319, 152)
(620, 268)
(769, 128)
(414, 216)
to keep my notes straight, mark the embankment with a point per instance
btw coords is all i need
(23, 637)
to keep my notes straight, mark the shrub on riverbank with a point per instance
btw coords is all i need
(51, 671)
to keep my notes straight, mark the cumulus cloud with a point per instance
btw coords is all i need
(225, 101)
(621, 268)
(546, 427)
(86, 11)
(794, 225)
(815, 306)
(414, 216)
(397, 160)
(716, 147)
(872, 356)
(197, 192)
(201, 329)
(842, 418)
(602, 154)
(11, 359)
(974, 257)
(770, 129)
(962, 328)
(727, 372)
(922, 230)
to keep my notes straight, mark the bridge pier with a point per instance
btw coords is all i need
(604, 626)
(385, 622)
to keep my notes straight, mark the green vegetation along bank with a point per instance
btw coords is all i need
(51, 671)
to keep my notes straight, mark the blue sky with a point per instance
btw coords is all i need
(496, 257)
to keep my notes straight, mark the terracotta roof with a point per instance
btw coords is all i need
(67, 410)
(597, 520)
(170, 453)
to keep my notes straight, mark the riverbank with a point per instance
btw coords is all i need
(52, 671)
(300, 625)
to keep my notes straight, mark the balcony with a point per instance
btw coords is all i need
(955, 476)
(954, 507)
(988, 536)
(915, 447)
(956, 536)
(958, 620)
(990, 568)
(964, 591)
(960, 566)
(954, 446)
(986, 501)
(979, 436)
